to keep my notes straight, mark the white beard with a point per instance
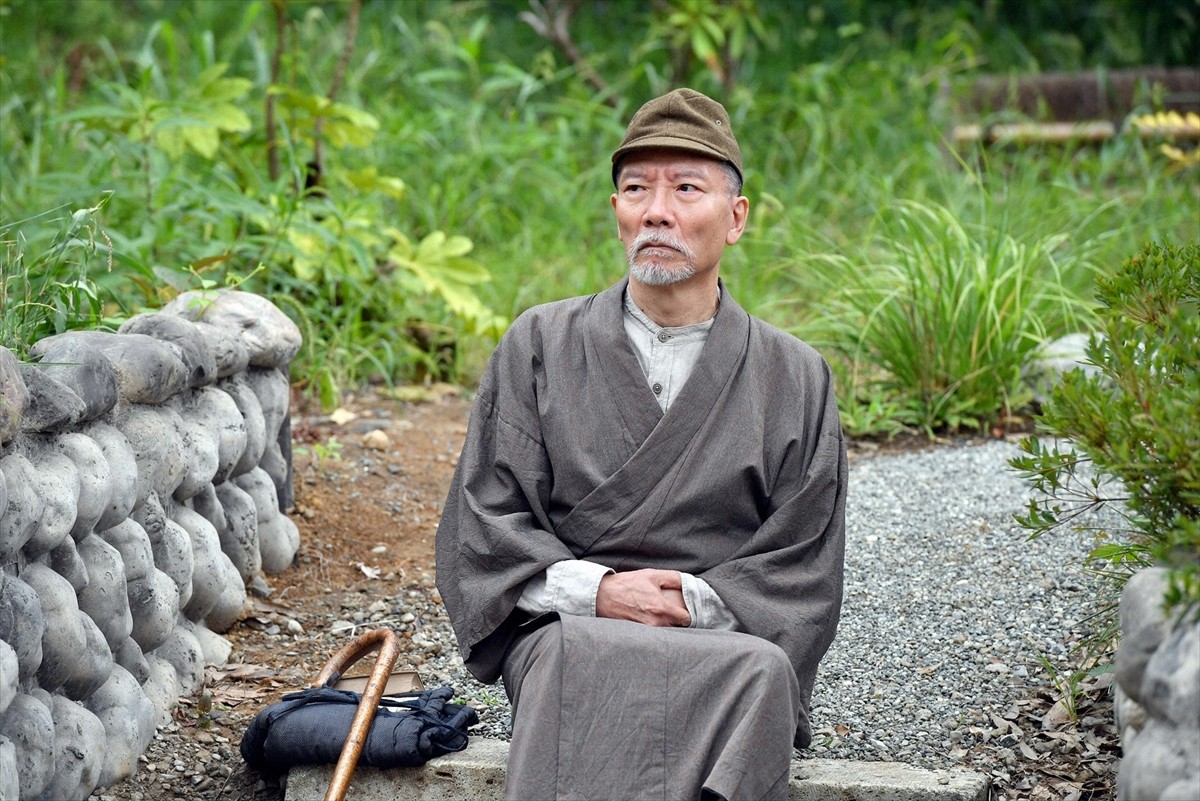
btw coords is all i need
(655, 273)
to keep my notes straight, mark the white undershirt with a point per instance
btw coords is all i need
(667, 356)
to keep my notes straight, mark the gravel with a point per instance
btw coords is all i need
(949, 610)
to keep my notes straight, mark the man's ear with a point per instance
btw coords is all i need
(741, 211)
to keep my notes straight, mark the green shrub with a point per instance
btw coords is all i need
(1130, 429)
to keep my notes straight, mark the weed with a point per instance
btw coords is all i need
(321, 452)
(46, 287)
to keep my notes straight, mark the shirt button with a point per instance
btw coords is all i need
(663, 336)
(657, 388)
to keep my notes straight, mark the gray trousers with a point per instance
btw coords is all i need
(609, 709)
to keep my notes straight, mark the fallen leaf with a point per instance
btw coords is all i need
(1057, 716)
(263, 605)
(233, 695)
(342, 416)
(241, 671)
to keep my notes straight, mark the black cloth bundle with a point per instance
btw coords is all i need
(311, 726)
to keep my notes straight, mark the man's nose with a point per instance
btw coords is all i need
(659, 212)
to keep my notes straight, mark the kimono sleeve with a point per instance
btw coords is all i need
(495, 534)
(785, 584)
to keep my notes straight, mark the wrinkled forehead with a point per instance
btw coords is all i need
(677, 163)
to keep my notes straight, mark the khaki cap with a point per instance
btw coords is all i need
(682, 120)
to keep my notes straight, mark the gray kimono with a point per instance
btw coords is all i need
(568, 456)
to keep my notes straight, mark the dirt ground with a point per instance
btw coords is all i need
(370, 481)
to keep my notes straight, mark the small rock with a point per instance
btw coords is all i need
(376, 441)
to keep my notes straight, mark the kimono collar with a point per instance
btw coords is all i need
(607, 343)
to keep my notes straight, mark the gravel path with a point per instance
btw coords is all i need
(948, 608)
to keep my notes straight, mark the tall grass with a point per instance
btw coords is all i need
(46, 268)
(940, 316)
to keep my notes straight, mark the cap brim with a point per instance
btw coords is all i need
(669, 143)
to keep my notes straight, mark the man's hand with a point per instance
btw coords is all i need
(653, 597)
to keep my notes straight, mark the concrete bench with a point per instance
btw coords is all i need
(477, 774)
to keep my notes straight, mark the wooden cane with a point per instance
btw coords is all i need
(389, 648)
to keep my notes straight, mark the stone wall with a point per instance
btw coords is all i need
(1157, 696)
(142, 478)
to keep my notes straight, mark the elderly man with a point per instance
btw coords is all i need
(644, 535)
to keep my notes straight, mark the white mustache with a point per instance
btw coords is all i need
(658, 239)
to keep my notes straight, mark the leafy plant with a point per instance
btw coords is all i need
(181, 143)
(1127, 437)
(191, 120)
(715, 33)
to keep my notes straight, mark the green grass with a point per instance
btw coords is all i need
(940, 315)
(46, 284)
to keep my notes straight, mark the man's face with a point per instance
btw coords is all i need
(675, 215)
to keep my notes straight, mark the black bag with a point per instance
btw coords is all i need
(310, 727)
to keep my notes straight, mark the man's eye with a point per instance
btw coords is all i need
(687, 187)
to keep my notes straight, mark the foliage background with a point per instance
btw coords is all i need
(451, 169)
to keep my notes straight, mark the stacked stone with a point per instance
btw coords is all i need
(142, 478)
(1157, 696)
